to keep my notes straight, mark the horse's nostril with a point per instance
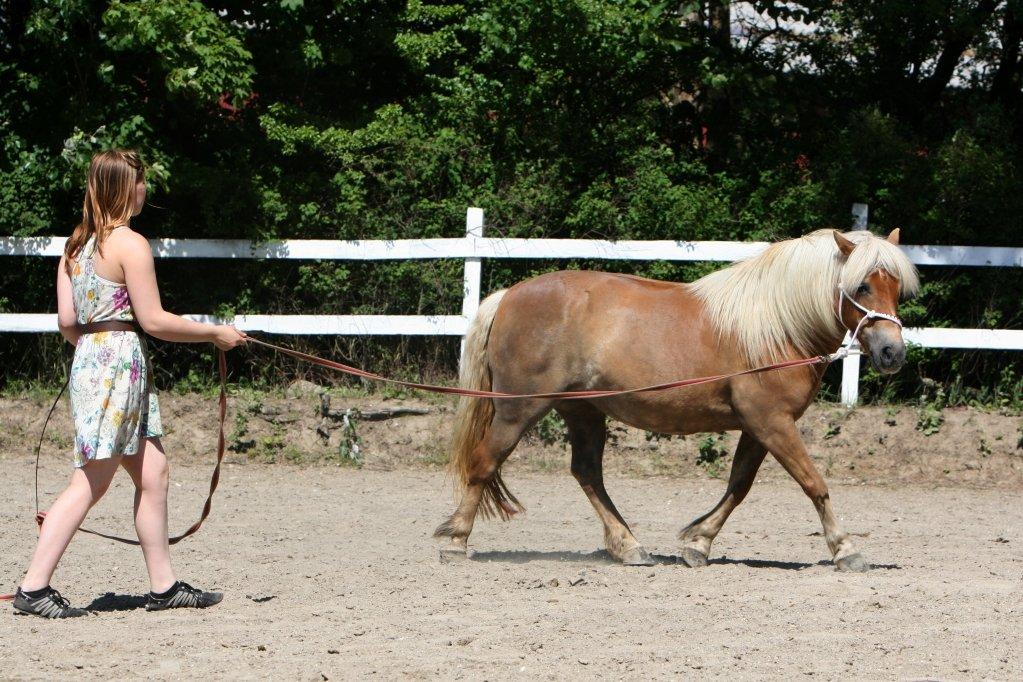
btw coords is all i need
(887, 354)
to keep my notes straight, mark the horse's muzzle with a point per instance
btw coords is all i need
(889, 356)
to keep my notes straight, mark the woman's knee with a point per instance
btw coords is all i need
(153, 469)
(156, 476)
(95, 478)
(91, 490)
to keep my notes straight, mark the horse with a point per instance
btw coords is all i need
(589, 330)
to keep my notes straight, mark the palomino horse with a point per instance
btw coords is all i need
(568, 331)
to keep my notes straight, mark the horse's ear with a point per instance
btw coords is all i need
(893, 236)
(844, 245)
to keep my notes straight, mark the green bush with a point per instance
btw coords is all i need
(622, 119)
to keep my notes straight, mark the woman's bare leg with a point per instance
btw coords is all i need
(65, 516)
(151, 475)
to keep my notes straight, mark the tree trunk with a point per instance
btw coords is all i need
(958, 39)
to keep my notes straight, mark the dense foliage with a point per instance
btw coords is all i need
(561, 118)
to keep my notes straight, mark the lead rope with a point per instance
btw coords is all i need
(40, 516)
(561, 395)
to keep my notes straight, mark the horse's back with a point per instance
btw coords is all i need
(570, 328)
(585, 301)
(582, 290)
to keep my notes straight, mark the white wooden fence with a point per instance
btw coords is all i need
(474, 247)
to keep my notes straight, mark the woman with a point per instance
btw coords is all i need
(106, 290)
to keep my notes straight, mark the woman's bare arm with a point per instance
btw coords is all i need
(67, 320)
(132, 252)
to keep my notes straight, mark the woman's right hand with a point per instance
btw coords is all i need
(226, 337)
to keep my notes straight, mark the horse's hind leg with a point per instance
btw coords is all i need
(483, 485)
(587, 432)
(699, 535)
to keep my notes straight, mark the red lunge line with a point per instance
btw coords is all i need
(562, 395)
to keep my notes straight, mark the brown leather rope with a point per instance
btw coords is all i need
(561, 395)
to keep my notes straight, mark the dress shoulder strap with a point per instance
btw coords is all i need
(88, 249)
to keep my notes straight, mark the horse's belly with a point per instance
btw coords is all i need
(680, 417)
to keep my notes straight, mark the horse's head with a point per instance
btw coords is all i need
(868, 296)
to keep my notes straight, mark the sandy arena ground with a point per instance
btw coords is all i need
(330, 573)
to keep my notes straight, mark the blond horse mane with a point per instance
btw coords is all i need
(784, 299)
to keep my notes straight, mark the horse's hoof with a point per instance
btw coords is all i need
(854, 563)
(450, 555)
(693, 558)
(637, 556)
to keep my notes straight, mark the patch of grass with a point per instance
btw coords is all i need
(548, 464)
(293, 454)
(204, 382)
(60, 439)
(654, 436)
(349, 449)
(436, 455)
(34, 389)
(929, 420)
(833, 430)
(929, 416)
(657, 462)
(394, 392)
(551, 429)
(269, 449)
(712, 454)
(238, 438)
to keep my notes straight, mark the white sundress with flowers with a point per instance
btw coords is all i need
(113, 401)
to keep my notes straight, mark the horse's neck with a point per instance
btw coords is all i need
(832, 341)
(830, 345)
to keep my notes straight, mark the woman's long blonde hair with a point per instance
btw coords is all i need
(109, 199)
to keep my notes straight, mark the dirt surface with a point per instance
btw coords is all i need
(330, 571)
(868, 445)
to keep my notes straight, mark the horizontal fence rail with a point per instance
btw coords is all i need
(457, 325)
(334, 325)
(498, 247)
(474, 247)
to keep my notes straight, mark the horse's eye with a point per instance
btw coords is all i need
(863, 289)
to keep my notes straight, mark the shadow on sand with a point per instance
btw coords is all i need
(117, 602)
(790, 565)
(601, 557)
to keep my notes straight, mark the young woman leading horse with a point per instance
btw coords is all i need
(569, 331)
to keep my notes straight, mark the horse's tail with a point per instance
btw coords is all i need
(474, 415)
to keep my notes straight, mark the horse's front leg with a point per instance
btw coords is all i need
(698, 536)
(781, 437)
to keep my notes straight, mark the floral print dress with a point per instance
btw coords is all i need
(113, 402)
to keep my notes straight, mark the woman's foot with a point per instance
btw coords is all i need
(182, 595)
(46, 602)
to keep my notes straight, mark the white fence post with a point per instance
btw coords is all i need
(851, 364)
(473, 270)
